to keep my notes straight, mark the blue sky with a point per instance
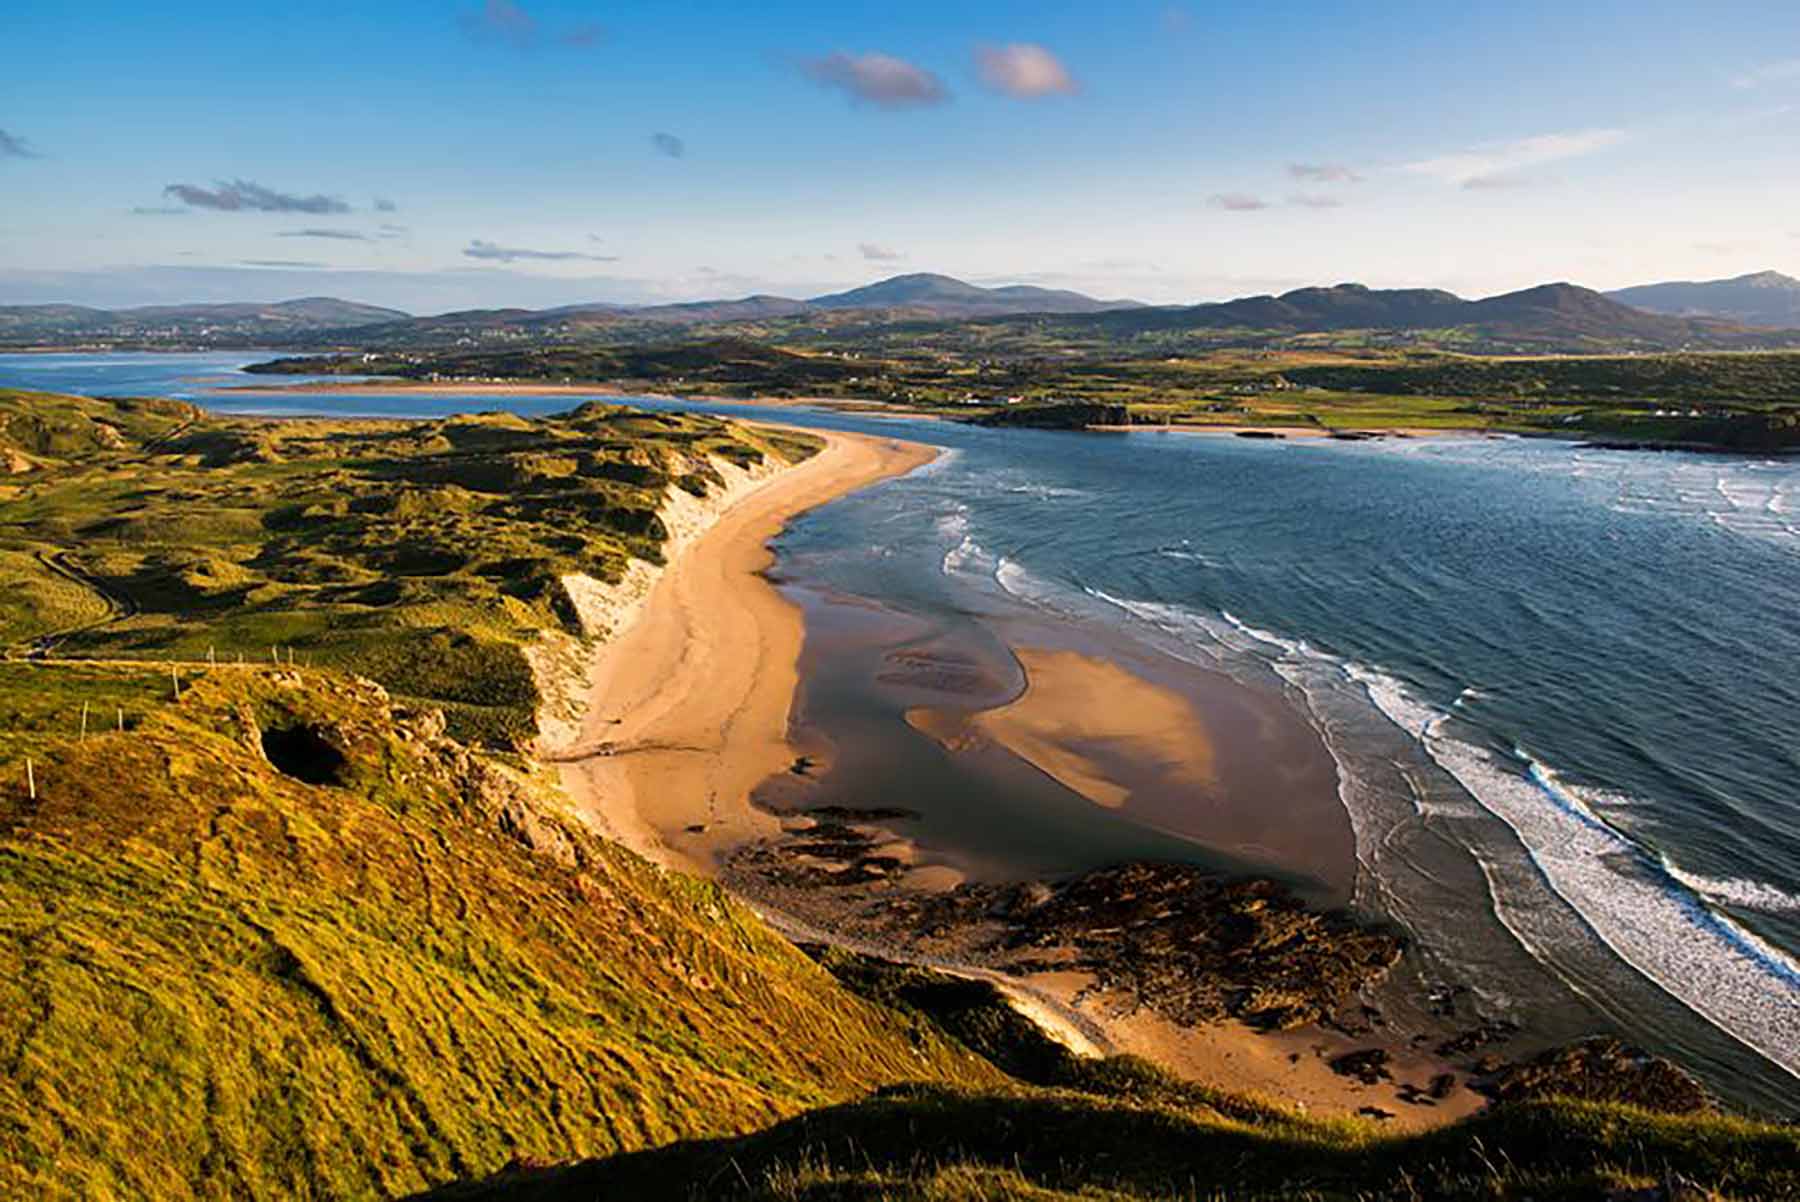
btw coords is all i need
(439, 155)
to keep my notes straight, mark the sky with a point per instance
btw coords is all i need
(448, 155)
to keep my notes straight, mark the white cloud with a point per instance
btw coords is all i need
(879, 254)
(1785, 71)
(1490, 162)
(1024, 71)
(1324, 173)
(1237, 202)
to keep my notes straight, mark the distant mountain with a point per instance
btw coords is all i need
(1550, 316)
(228, 324)
(903, 298)
(945, 296)
(1766, 298)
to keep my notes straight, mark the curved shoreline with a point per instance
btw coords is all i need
(686, 709)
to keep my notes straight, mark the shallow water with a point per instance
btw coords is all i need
(1560, 687)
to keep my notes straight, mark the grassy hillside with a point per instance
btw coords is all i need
(421, 555)
(937, 1145)
(218, 980)
(1123, 1129)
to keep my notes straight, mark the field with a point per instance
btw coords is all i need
(1734, 401)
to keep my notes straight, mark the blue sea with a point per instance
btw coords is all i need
(1557, 689)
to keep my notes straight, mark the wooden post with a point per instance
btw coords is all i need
(175, 680)
(30, 780)
(121, 719)
(211, 661)
(84, 709)
(275, 656)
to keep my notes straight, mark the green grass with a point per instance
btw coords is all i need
(217, 981)
(424, 555)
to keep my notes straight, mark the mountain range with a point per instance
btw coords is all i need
(1544, 317)
(1724, 313)
(1766, 298)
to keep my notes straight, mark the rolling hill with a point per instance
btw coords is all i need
(1549, 316)
(1766, 298)
(945, 296)
(185, 324)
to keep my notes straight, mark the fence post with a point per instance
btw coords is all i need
(30, 779)
(84, 710)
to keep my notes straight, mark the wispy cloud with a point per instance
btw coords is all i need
(1024, 70)
(158, 211)
(14, 147)
(1487, 164)
(505, 23)
(1324, 173)
(1786, 70)
(878, 79)
(309, 263)
(669, 144)
(1498, 183)
(478, 249)
(243, 196)
(1237, 202)
(384, 205)
(879, 254)
(334, 235)
(502, 21)
(1177, 18)
(1306, 200)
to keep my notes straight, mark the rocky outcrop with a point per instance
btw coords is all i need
(1602, 1070)
(1172, 938)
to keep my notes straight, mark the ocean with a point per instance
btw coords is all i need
(1556, 689)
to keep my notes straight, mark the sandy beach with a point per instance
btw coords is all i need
(686, 709)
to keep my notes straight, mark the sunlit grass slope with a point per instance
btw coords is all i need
(220, 981)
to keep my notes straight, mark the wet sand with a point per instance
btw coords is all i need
(1080, 719)
(687, 709)
(1191, 754)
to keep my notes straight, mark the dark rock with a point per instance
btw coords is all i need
(1370, 1066)
(1602, 1070)
(852, 814)
(1477, 1037)
(1198, 948)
